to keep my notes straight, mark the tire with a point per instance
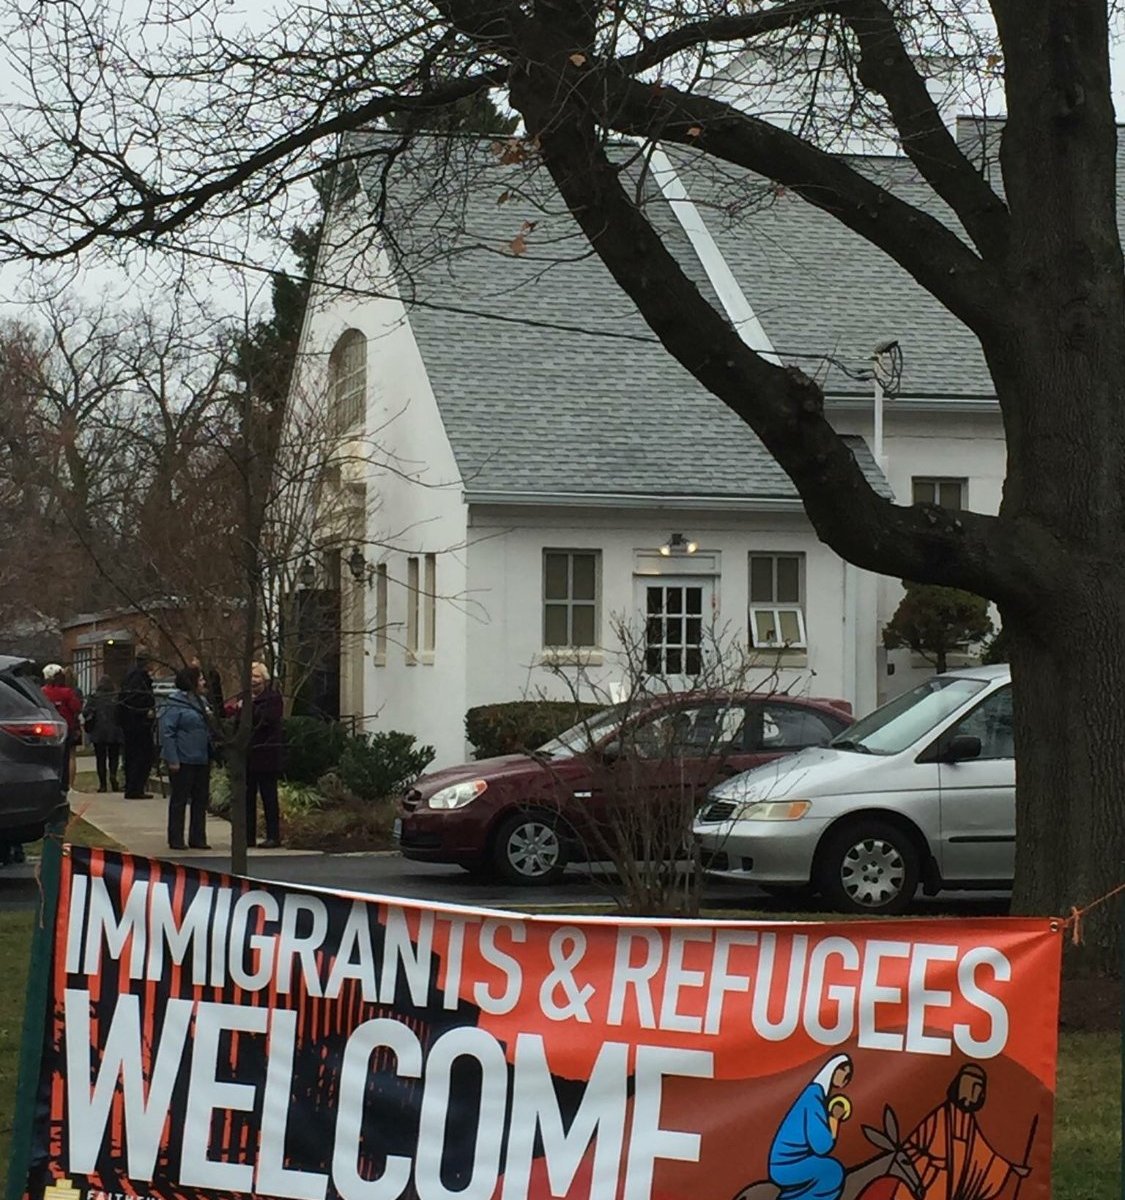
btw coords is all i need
(869, 866)
(529, 849)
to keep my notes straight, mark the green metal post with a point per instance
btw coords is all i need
(35, 1008)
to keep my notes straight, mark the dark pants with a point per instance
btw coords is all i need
(138, 759)
(266, 783)
(190, 788)
(108, 756)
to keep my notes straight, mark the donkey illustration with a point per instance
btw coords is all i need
(890, 1175)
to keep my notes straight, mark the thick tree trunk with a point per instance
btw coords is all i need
(1070, 745)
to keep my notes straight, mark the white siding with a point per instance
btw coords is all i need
(928, 444)
(505, 658)
(414, 508)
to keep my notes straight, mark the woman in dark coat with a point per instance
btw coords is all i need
(103, 727)
(263, 767)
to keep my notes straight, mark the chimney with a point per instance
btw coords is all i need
(979, 141)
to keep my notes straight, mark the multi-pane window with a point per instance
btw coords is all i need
(429, 597)
(85, 670)
(949, 493)
(380, 614)
(412, 597)
(570, 597)
(673, 628)
(777, 607)
(347, 372)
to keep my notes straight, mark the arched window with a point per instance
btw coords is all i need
(347, 374)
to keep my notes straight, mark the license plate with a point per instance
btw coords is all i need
(396, 831)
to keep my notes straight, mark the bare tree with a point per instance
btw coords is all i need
(649, 758)
(1027, 257)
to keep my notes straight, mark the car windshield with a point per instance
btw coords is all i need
(586, 734)
(899, 724)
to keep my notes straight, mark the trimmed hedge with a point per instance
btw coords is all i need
(376, 765)
(496, 729)
(370, 765)
(312, 747)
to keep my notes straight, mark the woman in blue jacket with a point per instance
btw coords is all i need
(801, 1163)
(185, 741)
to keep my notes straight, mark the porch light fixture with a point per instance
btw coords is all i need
(678, 544)
(306, 575)
(357, 565)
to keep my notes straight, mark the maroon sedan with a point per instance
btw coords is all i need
(526, 815)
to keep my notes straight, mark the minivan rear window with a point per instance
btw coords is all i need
(899, 724)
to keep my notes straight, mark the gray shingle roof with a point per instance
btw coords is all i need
(821, 290)
(548, 380)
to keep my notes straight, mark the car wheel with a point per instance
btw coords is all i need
(869, 866)
(529, 848)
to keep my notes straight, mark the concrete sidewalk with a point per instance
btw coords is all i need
(141, 826)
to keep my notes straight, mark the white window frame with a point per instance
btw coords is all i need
(348, 382)
(380, 658)
(679, 583)
(569, 602)
(774, 608)
(934, 483)
(412, 610)
(429, 608)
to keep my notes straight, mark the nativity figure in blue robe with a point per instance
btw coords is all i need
(801, 1163)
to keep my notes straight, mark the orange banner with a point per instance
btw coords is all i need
(213, 1036)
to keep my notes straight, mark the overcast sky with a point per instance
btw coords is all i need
(137, 276)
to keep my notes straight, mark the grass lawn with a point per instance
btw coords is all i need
(79, 832)
(1087, 1117)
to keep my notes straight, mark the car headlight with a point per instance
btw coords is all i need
(772, 810)
(458, 794)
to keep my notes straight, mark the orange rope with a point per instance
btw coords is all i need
(1074, 921)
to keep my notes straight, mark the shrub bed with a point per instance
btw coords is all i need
(339, 789)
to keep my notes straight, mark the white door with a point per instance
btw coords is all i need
(677, 612)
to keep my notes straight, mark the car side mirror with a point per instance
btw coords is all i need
(611, 752)
(961, 748)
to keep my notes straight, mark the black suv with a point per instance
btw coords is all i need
(32, 752)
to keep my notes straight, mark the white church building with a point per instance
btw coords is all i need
(535, 474)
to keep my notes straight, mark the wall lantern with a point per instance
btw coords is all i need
(306, 575)
(357, 565)
(678, 544)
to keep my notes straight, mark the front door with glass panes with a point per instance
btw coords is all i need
(677, 612)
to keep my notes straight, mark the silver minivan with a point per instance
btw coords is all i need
(919, 792)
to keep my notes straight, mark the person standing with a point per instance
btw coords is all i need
(69, 707)
(101, 717)
(137, 711)
(185, 741)
(263, 764)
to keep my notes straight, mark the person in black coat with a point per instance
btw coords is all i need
(137, 711)
(102, 722)
(264, 763)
